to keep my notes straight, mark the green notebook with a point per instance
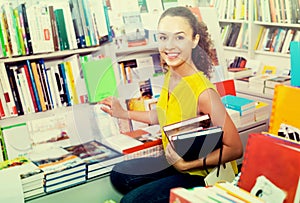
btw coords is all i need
(100, 79)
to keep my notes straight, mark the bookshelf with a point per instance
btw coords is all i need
(261, 15)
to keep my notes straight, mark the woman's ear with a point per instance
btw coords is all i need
(196, 40)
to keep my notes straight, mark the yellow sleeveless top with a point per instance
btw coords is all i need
(182, 104)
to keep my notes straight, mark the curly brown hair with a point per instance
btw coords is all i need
(202, 54)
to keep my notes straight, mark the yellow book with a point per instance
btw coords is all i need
(261, 30)
(285, 108)
(238, 192)
(38, 85)
(71, 82)
(269, 70)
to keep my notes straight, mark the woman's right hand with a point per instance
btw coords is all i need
(113, 107)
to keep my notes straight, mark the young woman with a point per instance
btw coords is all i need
(185, 49)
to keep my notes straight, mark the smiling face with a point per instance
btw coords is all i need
(176, 41)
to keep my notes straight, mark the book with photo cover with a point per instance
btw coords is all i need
(96, 155)
(196, 144)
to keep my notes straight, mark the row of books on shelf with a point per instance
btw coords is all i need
(48, 26)
(31, 86)
(277, 11)
(140, 68)
(235, 35)
(276, 39)
(231, 10)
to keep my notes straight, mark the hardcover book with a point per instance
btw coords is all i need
(100, 79)
(262, 180)
(197, 144)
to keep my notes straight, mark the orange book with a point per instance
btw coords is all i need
(38, 85)
(273, 11)
(275, 159)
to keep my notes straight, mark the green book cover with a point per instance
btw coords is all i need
(100, 79)
(61, 28)
(2, 41)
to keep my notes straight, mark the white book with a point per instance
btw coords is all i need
(52, 88)
(68, 19)
(289, 11)
(39, 24)
(19, 89)
(7, 91)
(97, 10)
(287, 41)
(25, 89)
(56, 87)
(17, 140)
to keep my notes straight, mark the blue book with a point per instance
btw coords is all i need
(295, 63)
(237, 103)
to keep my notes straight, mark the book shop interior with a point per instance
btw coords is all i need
(167, 101)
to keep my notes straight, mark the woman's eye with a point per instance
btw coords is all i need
(162, 38)
(179, 37)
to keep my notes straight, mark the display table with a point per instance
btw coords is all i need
(96, 190)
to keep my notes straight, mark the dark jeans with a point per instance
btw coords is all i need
(149, 180)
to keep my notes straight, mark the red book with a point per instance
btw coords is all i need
(275, 158)
(2, 113)
(226, 87)
(25, 67)
(143, 136)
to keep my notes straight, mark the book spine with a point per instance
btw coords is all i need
(26, 90)
(77, 21)
(55, 87)
(54, 29)
(47, 85)
(31, 88)
(21, 91)
(19, 34)
(27, 31)
(61, 29)
(62, 72)
(71, 81)
(23, 29)
(13, 86)
(34, 86)
(39, 89)
(43, 85)
(8, 94)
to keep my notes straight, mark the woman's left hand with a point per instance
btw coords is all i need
(174, 159)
